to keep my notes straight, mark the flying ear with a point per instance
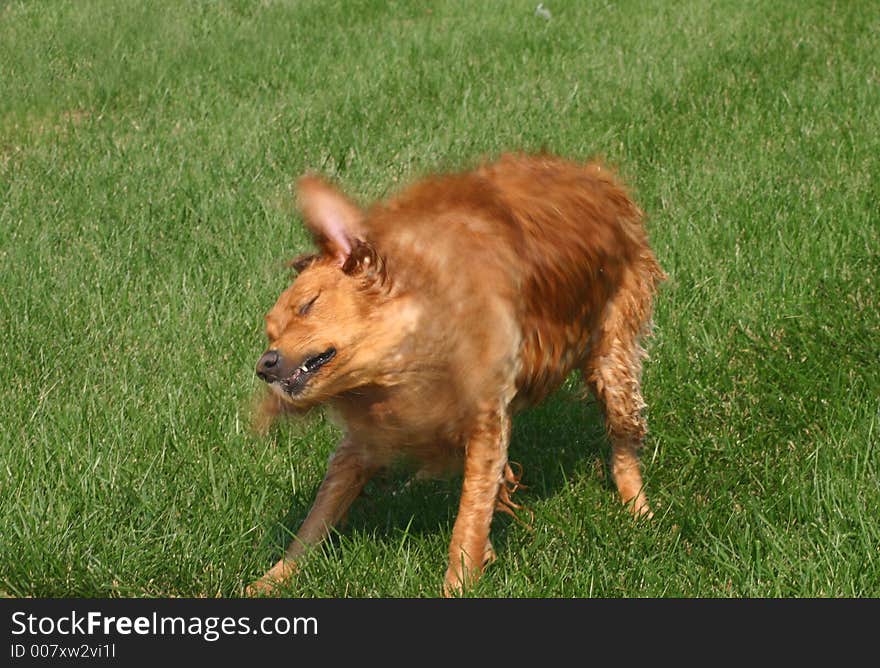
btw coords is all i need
(334, 220)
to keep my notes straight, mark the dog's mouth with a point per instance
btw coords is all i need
(297, 380)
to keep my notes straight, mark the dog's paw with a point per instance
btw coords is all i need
(639, 508)
(275, 577)
(262, 587)
(452, 589)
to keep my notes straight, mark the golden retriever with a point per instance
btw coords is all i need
(427, 321)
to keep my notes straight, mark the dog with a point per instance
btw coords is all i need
(429, 320)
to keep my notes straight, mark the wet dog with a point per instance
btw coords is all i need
(429, 320)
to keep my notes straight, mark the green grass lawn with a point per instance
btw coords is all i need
(145, 215)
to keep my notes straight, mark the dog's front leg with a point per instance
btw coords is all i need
(485, 457)
(349, 471)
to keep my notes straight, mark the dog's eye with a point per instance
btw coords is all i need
(305, 308)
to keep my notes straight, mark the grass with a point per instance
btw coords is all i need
(146, 151)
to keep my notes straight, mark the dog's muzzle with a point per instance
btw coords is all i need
(273, 368)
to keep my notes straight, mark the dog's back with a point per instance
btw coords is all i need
(536, 240)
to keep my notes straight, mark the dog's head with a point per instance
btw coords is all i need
(326, 332)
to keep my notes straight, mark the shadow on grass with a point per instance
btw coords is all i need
(561, 439)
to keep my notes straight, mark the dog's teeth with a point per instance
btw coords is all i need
(303, 368)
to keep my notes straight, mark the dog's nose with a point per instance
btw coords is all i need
(267, 367)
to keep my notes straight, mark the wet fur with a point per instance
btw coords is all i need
(454, 305)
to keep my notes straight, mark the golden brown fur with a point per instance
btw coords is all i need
(447, 309)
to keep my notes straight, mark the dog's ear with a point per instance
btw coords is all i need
(365, 262)
(302, 262)
(334, 220)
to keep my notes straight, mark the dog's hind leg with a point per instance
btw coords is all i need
(347, 474)
(613, 371)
